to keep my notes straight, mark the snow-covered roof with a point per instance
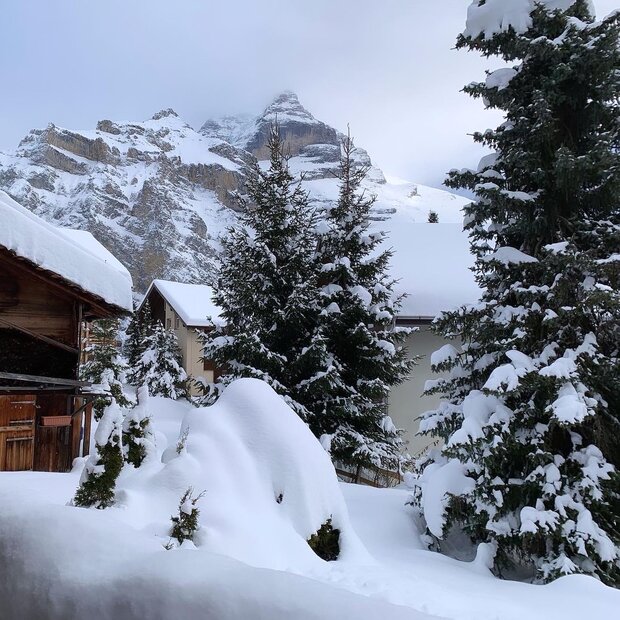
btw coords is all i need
(432, 263)
(192, 302)
(76, 256)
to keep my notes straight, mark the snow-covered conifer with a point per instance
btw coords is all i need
(433, 217)
(135, 344)
(267, 287)
(159, 367)
(138, 441)
(98, 480)
(531, 416)
(357, 326)
(104, 365)
(185, 524)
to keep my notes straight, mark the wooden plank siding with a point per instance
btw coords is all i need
(17, 432)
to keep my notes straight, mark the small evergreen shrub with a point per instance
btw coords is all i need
(137, 436)
(325, 542)
(185, 524)
(98, 481)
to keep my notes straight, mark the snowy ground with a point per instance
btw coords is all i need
(61, 562)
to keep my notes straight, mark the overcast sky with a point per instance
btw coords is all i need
(386, 67)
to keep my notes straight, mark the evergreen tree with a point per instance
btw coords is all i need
(185, 525)
(357, 327)
(138, 330)
(104, 366)
(159, 367)
(138, 441)
(532, 405)
(433, 217)
(98, 480)
(267, 288)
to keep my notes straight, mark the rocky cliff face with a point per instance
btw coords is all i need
(158, 193)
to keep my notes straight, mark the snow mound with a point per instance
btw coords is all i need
(269, 484)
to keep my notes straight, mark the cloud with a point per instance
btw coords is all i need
(386, 68)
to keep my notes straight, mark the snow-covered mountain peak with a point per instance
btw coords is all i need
(286, 108)
(164, 114)
(158, 193)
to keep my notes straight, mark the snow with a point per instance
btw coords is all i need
(192, 302)
(111, 564)
(75, 256)
(500, 78)
(432, 265)
(246, 450)
(507, 256)
(494, 16)
(439, 480)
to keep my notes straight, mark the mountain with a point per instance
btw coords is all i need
(158, 194)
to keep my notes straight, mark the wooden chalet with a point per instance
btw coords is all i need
(52, 283)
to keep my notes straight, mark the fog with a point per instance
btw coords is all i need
(385, 67)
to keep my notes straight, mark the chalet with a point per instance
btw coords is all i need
(432, 265)
(184, 309)
(53, 281)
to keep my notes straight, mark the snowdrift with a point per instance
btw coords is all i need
(269, 484)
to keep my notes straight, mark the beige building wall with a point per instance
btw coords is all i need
(406, 401)
(191, 349)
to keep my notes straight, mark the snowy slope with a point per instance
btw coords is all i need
(158, 194)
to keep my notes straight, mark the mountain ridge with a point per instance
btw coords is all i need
(158, 193)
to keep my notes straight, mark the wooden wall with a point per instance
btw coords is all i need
(28, 301)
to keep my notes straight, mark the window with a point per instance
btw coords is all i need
(177, 321)
(168, 323)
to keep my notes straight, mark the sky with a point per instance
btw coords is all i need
(387, 68)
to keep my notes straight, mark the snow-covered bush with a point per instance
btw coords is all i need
(98, 480)
(325, 542)
(185, 523)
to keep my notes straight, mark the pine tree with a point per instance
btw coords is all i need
(159, 367)
(356, 325)
(433, 217)
(532, 406)
(138, 441)
(267, 287)
(104, 365)
(98, 480)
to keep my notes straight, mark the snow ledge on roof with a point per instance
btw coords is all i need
(76, 256)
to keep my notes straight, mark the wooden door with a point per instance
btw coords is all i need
(17, 417)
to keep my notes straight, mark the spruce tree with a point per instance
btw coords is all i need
(98, 481)
(135, 343)
(267, 288)
(104, 365)
(433, 217)
(356, 324)
(159, 367)
(531, 414)
(138, 441)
